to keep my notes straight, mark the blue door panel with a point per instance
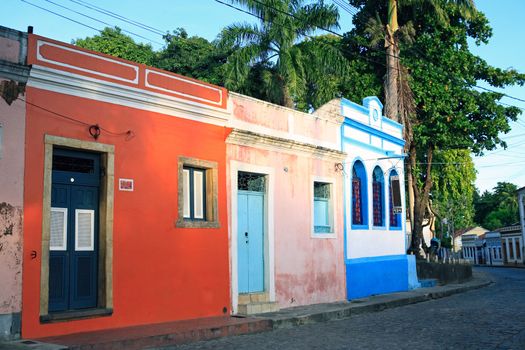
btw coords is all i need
(256, 242)
(73, 274)
(250, 241)
(242, 243)
(84, 263)
(59, 260)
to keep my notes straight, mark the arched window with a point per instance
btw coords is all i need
(394, 202)
(378, 193)
(359, 195)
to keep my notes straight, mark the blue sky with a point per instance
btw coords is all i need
(207, 17)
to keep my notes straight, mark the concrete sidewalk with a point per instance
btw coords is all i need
(181, 332)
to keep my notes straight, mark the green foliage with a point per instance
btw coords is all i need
(193, 57)
(112, 41)
(498, 208)
(273, 49)
(453, 191)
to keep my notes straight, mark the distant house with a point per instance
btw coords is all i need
(474, 230)
(512, 243)
(521, 205)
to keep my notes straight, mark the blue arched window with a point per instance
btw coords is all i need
(395, 192)
(378, 193)
(359, 196)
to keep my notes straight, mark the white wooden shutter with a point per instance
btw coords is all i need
(198, 184)
(186, 192)
(84, 229)
(58, 236)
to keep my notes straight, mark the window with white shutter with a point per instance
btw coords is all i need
(58, 237)
(84, 229)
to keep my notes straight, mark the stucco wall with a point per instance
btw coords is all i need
(373, 241)
(11, 200)
(308, 269)
(160, 272)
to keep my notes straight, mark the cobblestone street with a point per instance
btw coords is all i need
(489, 318)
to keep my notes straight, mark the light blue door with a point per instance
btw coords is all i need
(250, 241)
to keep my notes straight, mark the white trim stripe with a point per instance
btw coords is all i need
(174, 77)
(39, 56)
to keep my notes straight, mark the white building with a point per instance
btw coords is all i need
(375, 248)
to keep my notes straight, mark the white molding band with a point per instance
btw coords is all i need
(39, 56)
(100, 90)
(248, 138)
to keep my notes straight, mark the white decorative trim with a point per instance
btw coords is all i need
(269, 250)
(64, 230)
(333, 208)
(248, 138)
(92, 234)
(39, 56)
(174, 77)
(86, 87)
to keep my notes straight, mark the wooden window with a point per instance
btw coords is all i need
(197, 192)
(323, 211)
(378, 199)
(194, 193)
(359, 196)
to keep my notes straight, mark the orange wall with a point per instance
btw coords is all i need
(160, 273)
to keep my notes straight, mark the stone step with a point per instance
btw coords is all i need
(428, 283)
(257, 308)
(248, 298)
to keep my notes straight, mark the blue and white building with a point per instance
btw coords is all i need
(375, 257)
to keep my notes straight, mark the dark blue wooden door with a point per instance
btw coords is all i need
(73, 256)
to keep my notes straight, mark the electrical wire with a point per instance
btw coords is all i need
(119, 17)
(102, 22)
(128, 133)
(59, 15)
(341, 36)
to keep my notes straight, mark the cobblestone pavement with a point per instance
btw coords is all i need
(489, 318)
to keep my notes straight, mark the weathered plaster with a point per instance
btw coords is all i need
(11, 201)
(292, 148)
(10, 257)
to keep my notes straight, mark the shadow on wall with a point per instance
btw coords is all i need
(444, 273)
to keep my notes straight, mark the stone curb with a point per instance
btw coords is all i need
(349, 310)
(278, 320)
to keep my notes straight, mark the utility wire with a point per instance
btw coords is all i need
(128, 132)
(346, 7)
(105, 23)
(120, 17)
(341, 36)
(65, 17)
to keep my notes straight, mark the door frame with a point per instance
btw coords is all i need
(269, 238)
(106, 199)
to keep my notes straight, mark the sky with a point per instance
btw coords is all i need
(206, 18)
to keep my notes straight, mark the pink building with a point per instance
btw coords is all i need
(285, 206)
(13, 76)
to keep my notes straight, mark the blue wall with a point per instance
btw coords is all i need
(377, 275)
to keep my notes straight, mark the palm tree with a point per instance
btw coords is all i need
(272, 47)
(394, 87)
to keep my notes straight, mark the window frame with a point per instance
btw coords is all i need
(360, 172)
(331, 207)
(381, 198)
(398, 216)
(210, 194)
(191, 200)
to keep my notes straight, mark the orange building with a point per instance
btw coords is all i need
(125, 182)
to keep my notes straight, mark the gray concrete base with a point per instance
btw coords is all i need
(10, 326)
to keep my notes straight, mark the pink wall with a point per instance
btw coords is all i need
(308, 269)
(12, 122)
